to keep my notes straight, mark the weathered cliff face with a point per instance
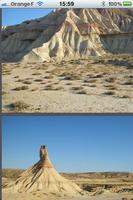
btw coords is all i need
(70, 34)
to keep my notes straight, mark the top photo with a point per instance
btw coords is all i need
(67, 60)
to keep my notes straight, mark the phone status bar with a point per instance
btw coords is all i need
(66, 4)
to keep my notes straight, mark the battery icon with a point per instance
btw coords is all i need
(127, 3)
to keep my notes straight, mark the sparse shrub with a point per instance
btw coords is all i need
(7, 73)
(128, 76)
(85, 84)
(70, 77)
(130, 82)
(109, 93)
(56, 83)
(38, 80)
(89, 80)
(108, 86)
(125, 96)
(81, 92)
(34, 89)
(48, 87)
(78, 90)
(36, 73)
(47, 72)
(48, 77)
(24, 87)
(19, 80)
(97, 76)
(110, 80)
(69, 83)
(18, 106)
(92, 85)
(58, 88)
(27, 82)
(112, 88)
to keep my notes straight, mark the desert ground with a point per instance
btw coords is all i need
(94, 85)
(100, 186)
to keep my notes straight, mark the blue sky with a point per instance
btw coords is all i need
(15, 16)
(75, 143)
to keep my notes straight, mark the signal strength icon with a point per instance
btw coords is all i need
(40, 3)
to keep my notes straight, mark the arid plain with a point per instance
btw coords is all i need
(99, 186)
(94, 85)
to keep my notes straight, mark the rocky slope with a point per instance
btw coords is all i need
(69, 34)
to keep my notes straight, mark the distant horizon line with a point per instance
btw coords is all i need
(82, 172)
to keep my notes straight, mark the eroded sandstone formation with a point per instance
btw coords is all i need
(69, 34)
(42, 177)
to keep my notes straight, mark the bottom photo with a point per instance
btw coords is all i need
(67, 157)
